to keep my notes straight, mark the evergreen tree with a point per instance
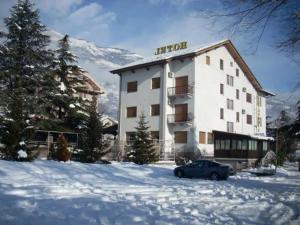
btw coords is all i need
(71, 109)
(26, 80)
(91, 141)
(142, 150)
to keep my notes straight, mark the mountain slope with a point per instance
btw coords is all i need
(98, 61)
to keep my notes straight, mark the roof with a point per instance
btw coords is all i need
(192, 52)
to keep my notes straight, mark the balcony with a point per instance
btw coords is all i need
(180, 91)
(183, 118)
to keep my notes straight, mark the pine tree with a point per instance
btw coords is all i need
(142, 150)
(91, 141)
(24, 65)
(71, 108)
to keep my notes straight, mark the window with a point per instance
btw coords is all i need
(252, 145)
(131, 112)
(237, 94)
(237, 72)
(221, 64)
(230, 127)
(265, 146)
(218, 145)
(227, 144)
(249, 119)
(248, 97)
(222, 144)
(210, 138)
(130, 136)
(132, 86)
(207, 60)
(155, 110)
(154, 135)
(237, 117)
(229, 80)
(180, 136)
(229, 104)
(234, 144)
(202, 137)
(239, 145)
(258, 100)
(221, 113)
(155, 84)
(244, 145)
(221, 89)
(231, 64)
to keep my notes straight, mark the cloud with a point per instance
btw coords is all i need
(57, 8)
(92, 14)
(89, 21)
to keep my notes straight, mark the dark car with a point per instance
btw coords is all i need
(203, 169)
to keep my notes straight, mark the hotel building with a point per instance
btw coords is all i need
(203, 98)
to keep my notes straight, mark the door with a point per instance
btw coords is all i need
(181, 85)
(181, 111)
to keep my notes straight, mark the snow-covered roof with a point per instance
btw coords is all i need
(194, 51)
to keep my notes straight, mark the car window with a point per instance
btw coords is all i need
(212, 164)
(201, 163)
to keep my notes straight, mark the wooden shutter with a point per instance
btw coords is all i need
(180, 136)
(131, 111)
(155, 83)
(181, 112)
(249, 119)
(181, 85)
(155, 110)
(132, 86)
(202, 137)
(207, 60)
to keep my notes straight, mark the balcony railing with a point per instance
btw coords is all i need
(180, 91)
(180, 118)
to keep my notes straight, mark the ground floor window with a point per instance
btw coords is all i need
(180, 137)
(210, 138)
(202, 137)
(265, 146)
(130, 137)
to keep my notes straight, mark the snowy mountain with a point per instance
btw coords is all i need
(283, 101)
(98, 61)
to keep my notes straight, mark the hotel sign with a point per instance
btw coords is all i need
(171, 48)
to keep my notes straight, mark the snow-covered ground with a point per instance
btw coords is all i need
(47, 192)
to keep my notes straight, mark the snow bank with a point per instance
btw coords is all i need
(22, 154)
(48, 192)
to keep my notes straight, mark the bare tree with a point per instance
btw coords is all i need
(253, 18)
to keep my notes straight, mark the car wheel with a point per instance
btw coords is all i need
(180, 173)
(214, 176)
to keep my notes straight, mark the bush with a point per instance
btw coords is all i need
(187, 154)
(62, 152)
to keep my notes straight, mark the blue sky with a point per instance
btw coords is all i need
(143, 25)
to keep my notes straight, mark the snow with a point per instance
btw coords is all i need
(48, 192)
(62, 86)
(72, 106)
(18, 27)
(22, 154)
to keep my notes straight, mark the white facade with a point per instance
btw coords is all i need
(204, 102)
